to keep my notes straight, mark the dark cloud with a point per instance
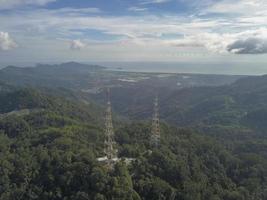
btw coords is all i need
(249, 46)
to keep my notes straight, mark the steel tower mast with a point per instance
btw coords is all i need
(110, 149)
(155, 137)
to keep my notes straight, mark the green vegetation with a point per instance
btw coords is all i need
(50, 153)
(51, 135)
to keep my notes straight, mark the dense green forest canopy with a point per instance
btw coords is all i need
(213, 138)
(49, 146)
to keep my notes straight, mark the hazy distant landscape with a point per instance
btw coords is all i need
(223, 68)
(212, 130)
(133, 100)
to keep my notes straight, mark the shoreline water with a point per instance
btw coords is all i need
(186, 68)
(225, 68)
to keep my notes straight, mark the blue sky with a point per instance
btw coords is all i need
(133, 30)
(122, 7)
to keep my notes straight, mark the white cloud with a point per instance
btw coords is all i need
(56, 24)
(247, 42)
(72, 11)
(137, 9)
(240, 6)
(250, 42)
(249, 46)
(145, 36)
(6, 42)
(144, 2)
(7, 4)
(241, 14)
(137, 30)
(77, 45)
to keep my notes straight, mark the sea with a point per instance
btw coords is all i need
(227, 68)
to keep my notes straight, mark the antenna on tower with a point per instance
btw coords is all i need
(110, 149)
(155, 137)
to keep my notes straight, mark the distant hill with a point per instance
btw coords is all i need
(69, 74)
(229, 105)
(4, 87)
(17, 99)
(69, 67)
(201, 99)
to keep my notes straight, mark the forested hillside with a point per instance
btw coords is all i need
(52, 133)
(90, 78)
(70, 75)
(50, 151)
(241, 104)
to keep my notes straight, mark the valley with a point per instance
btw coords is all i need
(52, 130)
